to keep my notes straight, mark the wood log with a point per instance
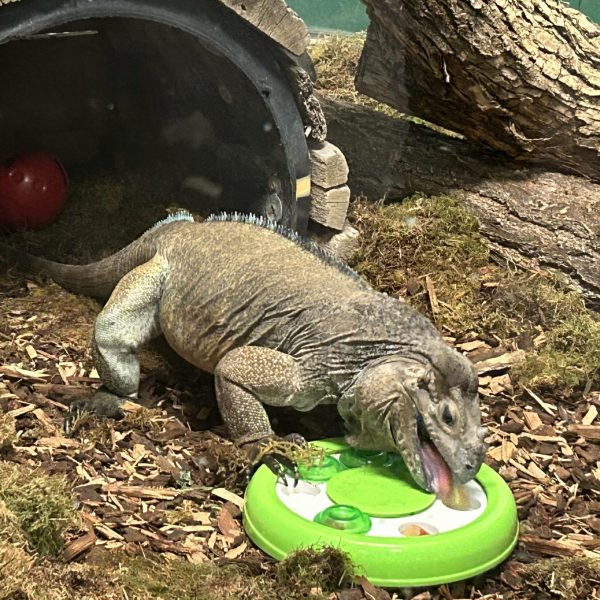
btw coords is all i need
(307, 102)
(342, 244)
(274, 19)
(329, 207)
(531, 217)
(522, 76)
(328, 165)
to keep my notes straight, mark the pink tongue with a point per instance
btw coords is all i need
(437, 469)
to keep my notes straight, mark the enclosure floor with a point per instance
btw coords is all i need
(45, 364)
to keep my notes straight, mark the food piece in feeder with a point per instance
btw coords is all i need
(459, 498)
(414, 530)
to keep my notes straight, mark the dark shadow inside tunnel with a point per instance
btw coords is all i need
(159, 107)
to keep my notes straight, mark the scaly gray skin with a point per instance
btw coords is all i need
(281, 323)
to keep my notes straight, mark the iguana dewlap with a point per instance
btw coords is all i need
(281, 323)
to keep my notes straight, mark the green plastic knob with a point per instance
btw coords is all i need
(344, 517)
(322, 471)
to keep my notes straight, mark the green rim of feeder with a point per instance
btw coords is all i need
(389, 561)
(351, 458)
(323, 470)
(344, 517)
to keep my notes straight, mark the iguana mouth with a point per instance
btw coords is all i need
(435, 468)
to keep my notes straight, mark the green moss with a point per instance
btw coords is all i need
(8, 432)
(336, 59)
(302, 455)
(10, 531)
(429, 251)
(24, 577)
(181, 581)
(327, 570)
(41, 504)
(155, 578)
(307, 573)
(575, 578)
(143, 419)
(436, 231)
(568, 360)
(403, 245)
(15, 565)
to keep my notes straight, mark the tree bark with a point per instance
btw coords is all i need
(522, 76)
(531, 217)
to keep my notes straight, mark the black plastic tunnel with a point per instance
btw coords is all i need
(179, 94)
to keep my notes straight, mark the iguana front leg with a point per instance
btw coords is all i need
(249, 377)
(128, 321)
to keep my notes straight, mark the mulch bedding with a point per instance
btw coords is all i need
(166, 480)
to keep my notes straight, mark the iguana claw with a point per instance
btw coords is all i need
(101, 404)
(281, 466)
(278, 463)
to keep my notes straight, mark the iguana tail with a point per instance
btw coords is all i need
(96, 279)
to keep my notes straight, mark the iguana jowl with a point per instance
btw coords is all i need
(281, 323)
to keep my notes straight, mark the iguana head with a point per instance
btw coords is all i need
(426, 411)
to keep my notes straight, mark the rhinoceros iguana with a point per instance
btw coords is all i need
(280, 322)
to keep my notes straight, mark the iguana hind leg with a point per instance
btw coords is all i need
(128, 321)
(245, 379)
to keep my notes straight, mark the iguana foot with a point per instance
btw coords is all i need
(294, 438)
(278, 463)
(281, 466)
(101, 404)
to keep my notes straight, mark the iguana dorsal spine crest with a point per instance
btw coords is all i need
(308, 245)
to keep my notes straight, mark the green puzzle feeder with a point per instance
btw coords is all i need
(367, 504)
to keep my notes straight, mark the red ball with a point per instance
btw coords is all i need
(33, 190)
